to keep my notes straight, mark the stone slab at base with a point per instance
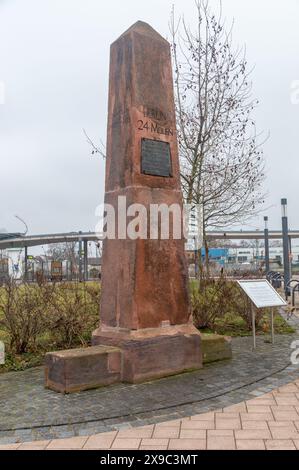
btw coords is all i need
(152, 353)
(215, 348)
(82, 369)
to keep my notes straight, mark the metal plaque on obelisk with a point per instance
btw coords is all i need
(144, 296)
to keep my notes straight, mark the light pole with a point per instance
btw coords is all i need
(80, 257)
(26, 264)
(256, 252)
(266, 239)
(24, 223)
(285, 241)
(85, 249)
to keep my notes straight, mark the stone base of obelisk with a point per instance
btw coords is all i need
(153, 353)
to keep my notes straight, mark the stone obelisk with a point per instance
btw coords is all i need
(144, 304)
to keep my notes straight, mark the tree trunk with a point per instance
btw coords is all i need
(206, 248)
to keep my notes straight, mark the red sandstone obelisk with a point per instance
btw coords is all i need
(144, 303)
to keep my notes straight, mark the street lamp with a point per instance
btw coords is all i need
(285, 241)
(80, 257)
(266, 237)
(24, 223)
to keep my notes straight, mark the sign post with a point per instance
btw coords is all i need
(261, 295)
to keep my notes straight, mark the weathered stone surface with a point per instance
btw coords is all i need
(145, 301)
(144, 282)
(82, 369)
(215, 348)
(155, 352)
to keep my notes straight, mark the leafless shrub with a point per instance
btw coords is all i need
(74, 313)
(65, 313)
(24, 309)
(213, 298)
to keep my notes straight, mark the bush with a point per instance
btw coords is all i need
(24, 313)
(74, 313)
(213, 299)
(207, 301)
(55, 316)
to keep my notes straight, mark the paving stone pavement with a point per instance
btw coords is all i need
(30, 412)
(291, 318)
(266, 422)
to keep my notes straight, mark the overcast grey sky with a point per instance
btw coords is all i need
(54, 59)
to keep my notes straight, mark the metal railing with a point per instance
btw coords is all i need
(290, 288)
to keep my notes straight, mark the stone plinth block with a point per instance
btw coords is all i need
(82, 369)
(215, 348)
(154, 352)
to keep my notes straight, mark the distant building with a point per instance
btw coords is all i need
(218, 255)
(238, 255)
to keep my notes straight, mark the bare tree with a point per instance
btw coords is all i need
(63, 252)
(95, 149)
(222, 165)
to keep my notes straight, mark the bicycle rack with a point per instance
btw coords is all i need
(288, 287)
(293, 289)
(276, 280)
(269, 275)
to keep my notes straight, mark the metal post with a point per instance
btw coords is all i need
(26, 264)
(85, 260)
(272, 324)
(253, 325)
(285, 240)
(266, 237)
(290, 255)
(80, 258)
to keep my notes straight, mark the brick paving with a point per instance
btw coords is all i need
(267, 422)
